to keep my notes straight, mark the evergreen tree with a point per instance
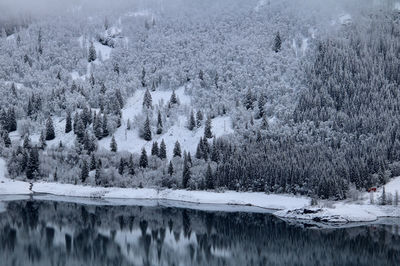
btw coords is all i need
(207, 129)
(186, 175)
(93, 162)
(12, 121)
(189, 158)
(173, 100)
(143, 78)
(177, 150)
(84, 171)
(261, 103)
(192, 121)
(121, 166)
(92, 53)
(277, 43)
(147, 100)
(97, 175)
(128, 124)
(383, 198)
(50, 134)
(68, 123)
(98, 127)
(163, 150)
(42, 141)
(248, 102)
(170, 168)
(159, 123)
(147, 130)
(27, 142)
(143, 162)
(199, 118)
(79, 129)
(131, 166)
(6, 139)
(264, 123)
(209, 178)
(154, 149)
(396, 198)
(104, 125)
(32, 168)
(113, 145)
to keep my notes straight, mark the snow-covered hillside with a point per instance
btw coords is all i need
(129, 140)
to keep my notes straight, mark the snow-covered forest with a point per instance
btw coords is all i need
(277, 96)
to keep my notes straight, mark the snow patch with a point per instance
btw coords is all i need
(8, 186)
(260, 4)
(397, 6)
(345, 19)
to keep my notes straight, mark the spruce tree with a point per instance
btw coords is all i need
(192, 121)
(131, 166)
(12, 122)
(207, 129)
(93, 162)
(154, 149)
(50, 134)
(113, 145)
(170, 168)
(27, 142)
(147, 130)
(261, 103)
(199, 118)
(92, 53)
(248, 101)
(143, 78)
(173, 100)
(186, 175)
(84, 171)
(32, 168)
(159, 123)
(143, 162)
(98, 127)
(104, 125)
(177, 150)
(42, 141)
(163, 150)
(121, 166)
(79, 129)
(209, 178)
(277, 43)
(6, 139)
(68, 123)
(264, 123)
(147, 100)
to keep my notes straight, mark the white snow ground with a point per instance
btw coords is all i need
(10, 187)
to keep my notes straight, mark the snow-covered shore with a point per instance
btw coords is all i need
(284, 206)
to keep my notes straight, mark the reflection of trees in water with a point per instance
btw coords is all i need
(51, 233)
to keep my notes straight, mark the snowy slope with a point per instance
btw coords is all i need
(129, 140)
(8, 186)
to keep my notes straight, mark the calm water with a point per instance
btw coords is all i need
(54, 233)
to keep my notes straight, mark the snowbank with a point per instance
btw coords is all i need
(261, 200)
(10, 187)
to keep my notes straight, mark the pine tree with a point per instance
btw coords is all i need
(143, 79)
(93, 162)
(199, 118)
(264, 123)
(97, 175)
(177, 150)
(6, 139)
(189, 158)
(159, 123)
(131, 166)
(12, 121)
(27, 142)
(207, 129)
(143, 162)
(147, 100)
(154, 149)
(32, 168)
(50, 135)
(277, 43)
(173, 100)
(97, 126)
(147, 130)
(383, 199)
(248, 102)
(163, 150)
(84, 171)
(261, 103)
(92, 53)
(121, 166)
(170, 168)
(42, 141)
(214, 151)
(186, 175)
(209, 178)
(68, 123)
(79, 129)
(113, 145)
(192, 121)
(104, 125)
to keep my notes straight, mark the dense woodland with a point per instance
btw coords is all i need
(315, 104)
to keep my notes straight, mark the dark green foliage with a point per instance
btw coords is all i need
(113, 145)
(50, 134)
(84, 171)
(147, 130)
(147, 100)
(209, 178)
(159, 123)
(199, 118)
(177, 150)
(170, 168)
(68, 123)
(277, 43)
(131, 166)
(154, 149)
(207, 129)
(32, 168)
(192, 121)
(143, 161)
(163, 150)
(186, 174)
(92, 53)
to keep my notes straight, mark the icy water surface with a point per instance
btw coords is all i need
(56, 233)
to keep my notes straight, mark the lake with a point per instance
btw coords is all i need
(43, 232)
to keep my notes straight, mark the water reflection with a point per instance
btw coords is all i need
(52, 233)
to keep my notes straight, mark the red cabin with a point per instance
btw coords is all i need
(372, 189)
